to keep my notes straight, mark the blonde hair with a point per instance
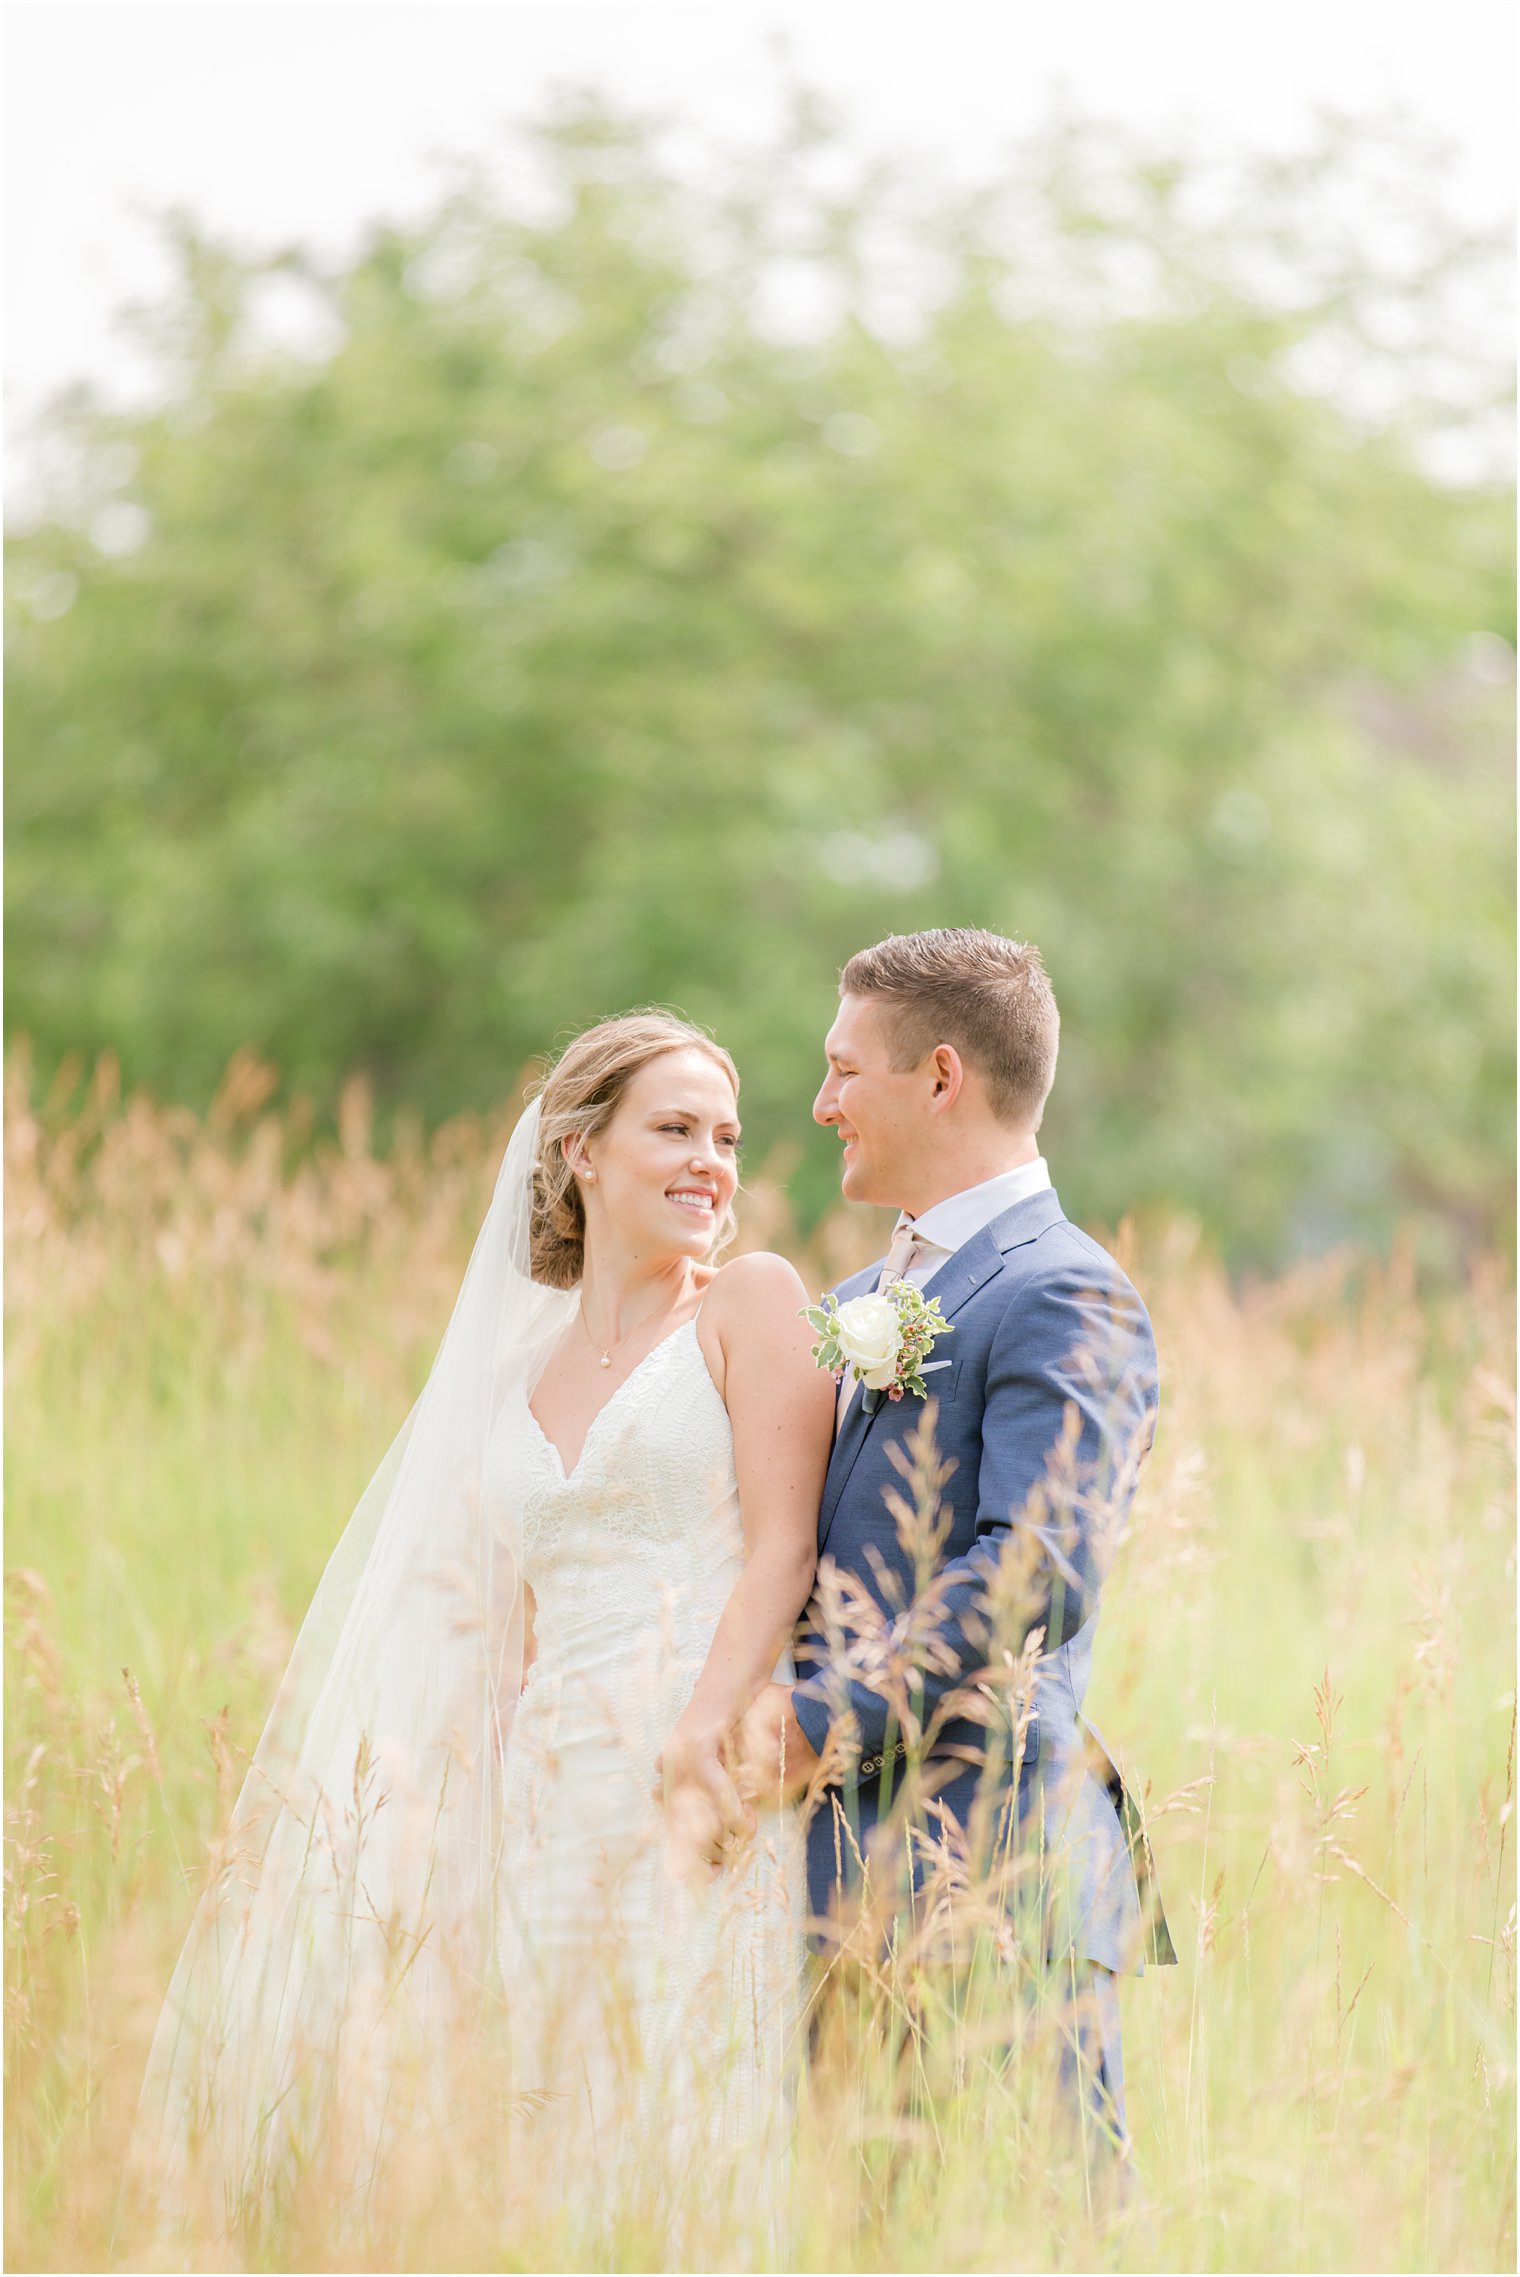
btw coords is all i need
(987, 996)
(579, 1097)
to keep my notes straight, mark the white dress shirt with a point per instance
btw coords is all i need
(949, 1225)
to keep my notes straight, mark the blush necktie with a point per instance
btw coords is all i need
(898, 1258)
(900, 1255)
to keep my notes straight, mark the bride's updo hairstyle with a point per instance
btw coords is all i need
(581, 1095)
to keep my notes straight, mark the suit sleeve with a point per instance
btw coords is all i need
(1070, 1409)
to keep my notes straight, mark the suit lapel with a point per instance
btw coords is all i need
(973, 1264)
(958, 1279)
(956, 1282)
(851, 1438)
(1023, 1222)
(852, 1430)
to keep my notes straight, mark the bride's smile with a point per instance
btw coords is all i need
(658, 1181)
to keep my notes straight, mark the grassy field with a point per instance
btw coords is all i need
(1307, 1660)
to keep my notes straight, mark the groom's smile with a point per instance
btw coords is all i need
(867, 1101)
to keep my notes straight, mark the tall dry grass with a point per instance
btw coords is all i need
(1306, 1660)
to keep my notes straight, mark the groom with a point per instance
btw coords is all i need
(939, 1065)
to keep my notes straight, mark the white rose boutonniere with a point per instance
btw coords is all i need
(869, 1335)
(881, 1339)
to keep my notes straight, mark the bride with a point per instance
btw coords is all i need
(491, 1805)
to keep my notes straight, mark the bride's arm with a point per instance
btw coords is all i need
(781, 1407)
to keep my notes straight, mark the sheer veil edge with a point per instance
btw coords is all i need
(347, 1923)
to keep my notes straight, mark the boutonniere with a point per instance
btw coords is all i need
(882, 1340)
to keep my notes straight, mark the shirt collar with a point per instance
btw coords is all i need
(950, 1224)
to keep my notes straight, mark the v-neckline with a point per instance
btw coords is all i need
(569, 1476)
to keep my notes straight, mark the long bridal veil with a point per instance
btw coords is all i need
(348, 1919)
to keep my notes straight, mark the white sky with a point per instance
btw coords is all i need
(275, 119)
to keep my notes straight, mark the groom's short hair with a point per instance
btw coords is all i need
(987, 996)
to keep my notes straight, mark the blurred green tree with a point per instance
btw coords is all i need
(659, 588)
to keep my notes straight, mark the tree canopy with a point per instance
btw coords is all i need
(658, 587)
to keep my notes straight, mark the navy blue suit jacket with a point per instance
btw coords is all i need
(1046, 1396)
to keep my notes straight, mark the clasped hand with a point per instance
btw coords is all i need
(707, 1819)
(709, 1780)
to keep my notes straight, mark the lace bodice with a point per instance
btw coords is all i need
(644, 1531)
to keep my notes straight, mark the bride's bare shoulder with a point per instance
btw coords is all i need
(758, 1341)
(760, 1280)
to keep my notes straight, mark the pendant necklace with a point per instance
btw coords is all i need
(605, 1359)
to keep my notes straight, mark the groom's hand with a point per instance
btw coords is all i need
(773, 1758)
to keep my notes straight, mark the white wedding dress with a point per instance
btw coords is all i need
(414, 1815)
(654, 2025)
